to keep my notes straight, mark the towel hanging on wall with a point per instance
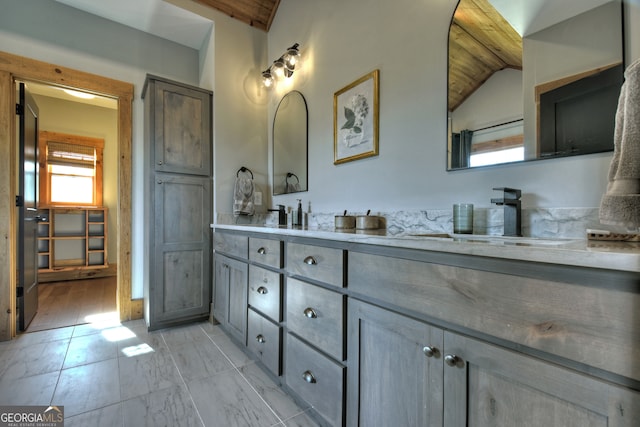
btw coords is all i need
(620, 204)
(243, 193)
(291, 186)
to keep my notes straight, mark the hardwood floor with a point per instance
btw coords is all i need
(74, 302)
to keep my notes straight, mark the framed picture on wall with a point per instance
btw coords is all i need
(355, 119)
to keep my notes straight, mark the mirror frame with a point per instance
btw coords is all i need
(448, 153)
(306, 143)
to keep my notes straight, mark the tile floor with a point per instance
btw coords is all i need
(111, 374)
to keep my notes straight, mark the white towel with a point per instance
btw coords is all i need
(243, 196)
(620, 204)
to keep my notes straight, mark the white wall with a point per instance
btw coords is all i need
(407, 40)
(231, 65)
(74, 118)
(52, 32)
(498, 100)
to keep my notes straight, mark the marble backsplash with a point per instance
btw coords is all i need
(542, 222)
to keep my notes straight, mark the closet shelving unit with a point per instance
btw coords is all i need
(72, 238)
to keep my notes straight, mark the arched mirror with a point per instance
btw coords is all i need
(532, 79)
(290, 144)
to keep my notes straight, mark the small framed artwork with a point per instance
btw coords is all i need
(355, 119)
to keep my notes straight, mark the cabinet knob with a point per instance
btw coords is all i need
(451, 360)
(310, 313)
(310, 260)
(262, 251)
(159, 181)
(262, 290)
(430, 351)
(160, 162)
(308, 377)
(260, 339)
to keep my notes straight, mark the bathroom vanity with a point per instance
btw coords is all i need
(437, 330)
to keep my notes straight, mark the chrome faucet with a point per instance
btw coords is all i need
(512, 210)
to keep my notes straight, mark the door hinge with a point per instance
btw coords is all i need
(19, 109)
(19, 201)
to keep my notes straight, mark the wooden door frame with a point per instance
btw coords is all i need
(14, 67)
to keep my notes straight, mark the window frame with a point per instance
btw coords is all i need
(44, 179)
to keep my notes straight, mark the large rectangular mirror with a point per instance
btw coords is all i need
(532, 79)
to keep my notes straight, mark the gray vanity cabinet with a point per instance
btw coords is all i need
(473, 381)
(406, 372)
(178, 208)
(230, 295)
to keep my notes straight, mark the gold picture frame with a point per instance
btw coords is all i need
(355, 132)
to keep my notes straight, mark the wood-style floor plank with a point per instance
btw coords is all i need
(72, 303)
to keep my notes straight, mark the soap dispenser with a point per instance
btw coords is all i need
(299, 212)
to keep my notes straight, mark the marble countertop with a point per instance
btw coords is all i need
(624, 256)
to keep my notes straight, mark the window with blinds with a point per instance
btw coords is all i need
(70, 170)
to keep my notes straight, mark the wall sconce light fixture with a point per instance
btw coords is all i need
(282, 67)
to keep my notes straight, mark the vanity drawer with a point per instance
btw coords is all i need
(316, 379)
(266, 251)
(317, 315)
(265, 292)
(316, 262)
(231, 244)
(264, 340)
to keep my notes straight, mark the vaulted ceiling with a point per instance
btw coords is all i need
(481, 42)
(257, 13)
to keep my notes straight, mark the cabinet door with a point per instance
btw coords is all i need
(182, 129)
(236, 308)
(220, 288)
(485, 385)
(181, 282)
(393, 379)
(230, 295)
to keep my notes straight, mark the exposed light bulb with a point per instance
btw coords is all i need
(267, 78)
(278, 69)
(292, 57)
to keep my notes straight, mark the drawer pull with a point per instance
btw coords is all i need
(310, 313)
(310, 260)
(308, 377)
(451, 359)
(262, 290)
(262, 251)
(430, 351)
(260, 339)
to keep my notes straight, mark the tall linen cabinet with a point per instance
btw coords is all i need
(178, 202)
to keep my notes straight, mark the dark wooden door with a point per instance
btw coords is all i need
(27, 202)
